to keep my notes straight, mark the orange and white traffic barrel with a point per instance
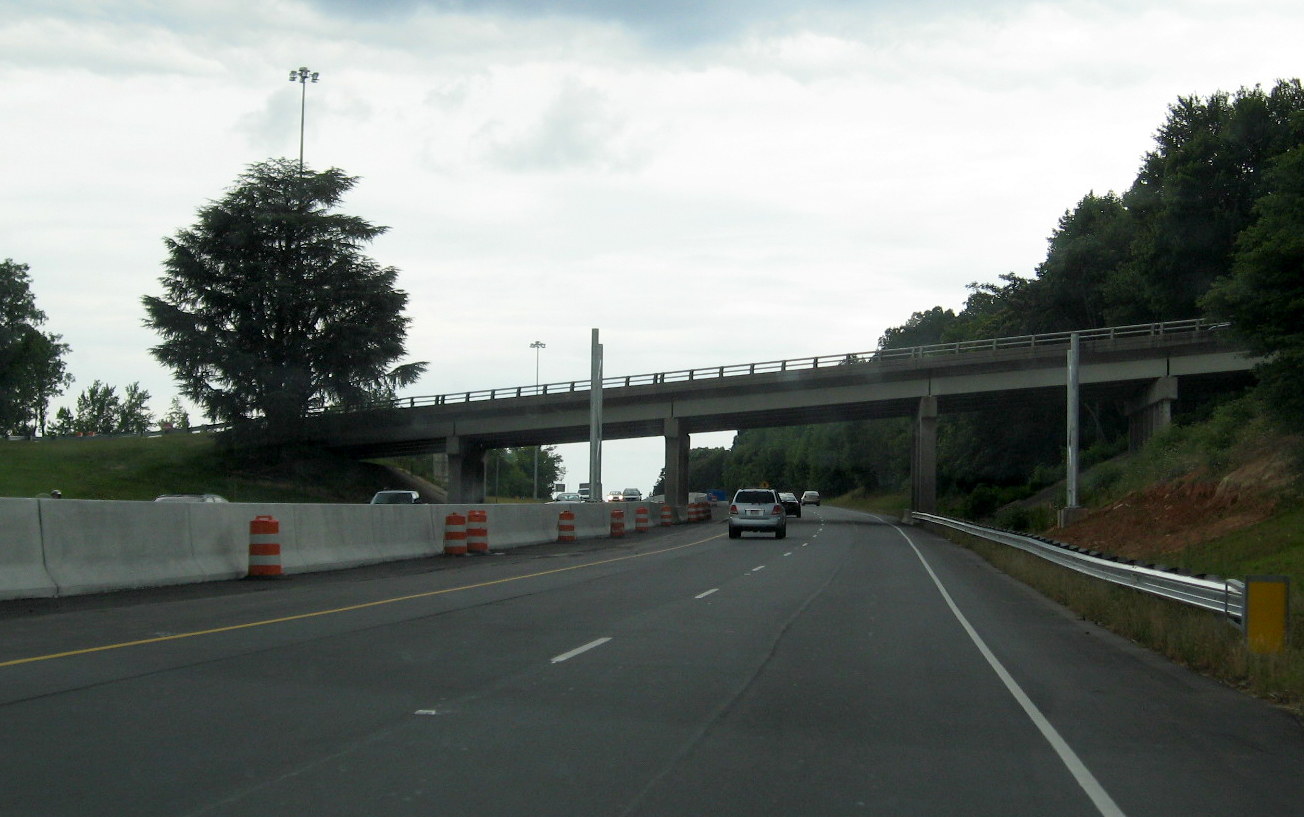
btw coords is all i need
(667, 516)
(617, 523)
(477, 531)
(566, 526)
(264, 547)
(640, 519)
(454, 535)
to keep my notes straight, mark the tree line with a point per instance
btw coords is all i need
(1212, 226)
(269, 310)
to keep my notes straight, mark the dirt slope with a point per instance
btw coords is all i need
(1170, 516)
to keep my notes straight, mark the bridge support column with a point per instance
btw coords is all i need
(1150, 412)
(465, 471)
(677, 444)
(923, 461)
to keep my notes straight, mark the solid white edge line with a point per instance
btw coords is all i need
(707, 593)
(1099, 797)
(585, 648)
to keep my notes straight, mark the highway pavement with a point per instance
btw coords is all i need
(855, 667)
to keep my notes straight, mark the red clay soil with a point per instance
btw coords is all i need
(1168, 517)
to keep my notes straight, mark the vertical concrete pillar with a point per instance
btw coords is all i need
(677, 444)
(923, 461)
(1150, 412)
(465, 471)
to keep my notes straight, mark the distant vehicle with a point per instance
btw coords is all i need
(568, 497)
(790, 503)
(396, 498)
(615, 496)
(632, 495)
(189, 498)
(810, 498)
(757, 509)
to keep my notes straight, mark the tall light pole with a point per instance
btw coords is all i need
(536, 346)
(302, 76)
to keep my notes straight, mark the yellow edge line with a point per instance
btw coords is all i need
(350, 608)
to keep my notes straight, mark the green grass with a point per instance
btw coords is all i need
(1196, 638)
(887, 504)
(141, 468)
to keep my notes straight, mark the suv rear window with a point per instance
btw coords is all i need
(754, 498)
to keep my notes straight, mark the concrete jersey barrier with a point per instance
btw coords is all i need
(22, 562)
(60, 547)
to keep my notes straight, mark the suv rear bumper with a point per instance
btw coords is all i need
(766, 523)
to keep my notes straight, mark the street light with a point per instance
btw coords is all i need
(302, 76)
(536, 346)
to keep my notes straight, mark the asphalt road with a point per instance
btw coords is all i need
(855, 667)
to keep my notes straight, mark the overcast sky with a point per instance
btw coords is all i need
(704, 181)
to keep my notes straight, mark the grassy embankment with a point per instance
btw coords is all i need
(1230, 447)
(141, 468)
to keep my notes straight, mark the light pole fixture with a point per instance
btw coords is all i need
(302, 76)
(536, 346)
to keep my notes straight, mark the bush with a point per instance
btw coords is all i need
(1025, 519)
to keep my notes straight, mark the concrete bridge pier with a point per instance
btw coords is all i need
(466, 471)
(923, 460)
(677, 445)
(1150, 412)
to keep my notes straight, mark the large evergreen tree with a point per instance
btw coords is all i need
(32, 370)
(271, 309)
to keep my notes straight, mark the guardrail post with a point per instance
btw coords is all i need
(1267, 608)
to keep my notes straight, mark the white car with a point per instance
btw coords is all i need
(810, 498)
(567, 497)
(757, 509)
(189, 498)
(615, 496)
(396, 498)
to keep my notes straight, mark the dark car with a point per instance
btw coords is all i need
(790, 504)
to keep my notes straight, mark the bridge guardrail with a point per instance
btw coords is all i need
(1051, 339)
(1224, 596)
(1048, 339)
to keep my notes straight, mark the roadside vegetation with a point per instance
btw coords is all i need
(141, 468)
(1218, 496)
(1197, 639)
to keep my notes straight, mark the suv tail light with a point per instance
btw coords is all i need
(777, 511)
(733, 510)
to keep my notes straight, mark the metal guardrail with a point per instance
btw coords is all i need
(1225, 596)
(1049, 339)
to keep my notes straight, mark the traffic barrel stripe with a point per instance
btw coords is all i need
(477, 531)
(455, 535)
(264, 547)
(566, 527)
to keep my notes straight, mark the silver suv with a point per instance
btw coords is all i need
(757, 509)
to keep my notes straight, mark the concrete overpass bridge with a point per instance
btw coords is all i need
(1147, 366)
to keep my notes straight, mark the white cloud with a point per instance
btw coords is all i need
(708, 183)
